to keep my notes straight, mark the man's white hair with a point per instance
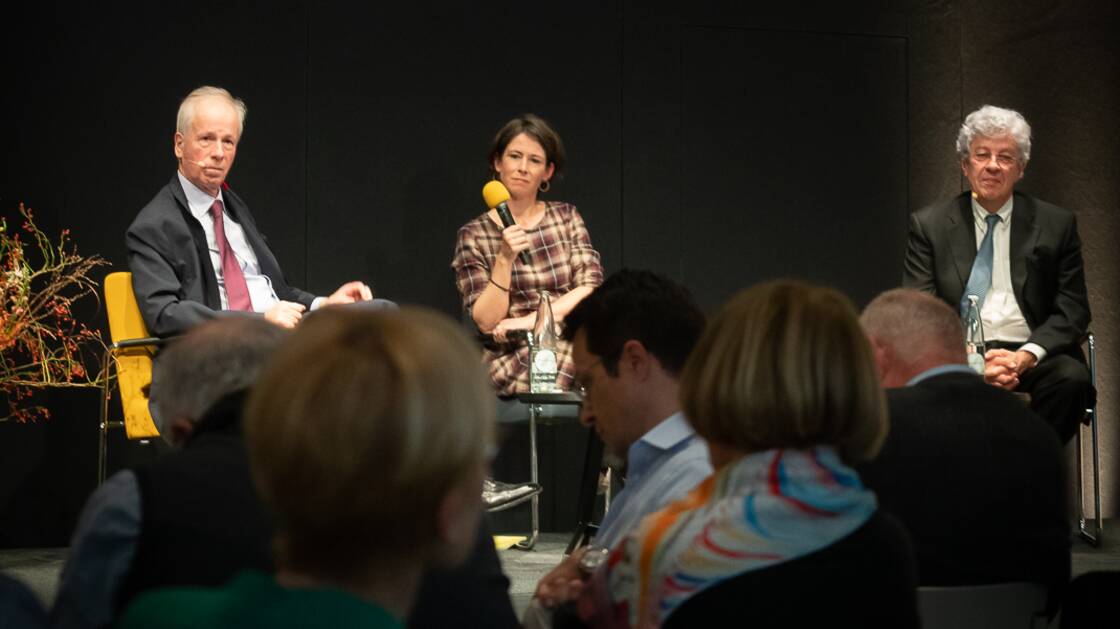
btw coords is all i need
(186, 108)
(991, 121)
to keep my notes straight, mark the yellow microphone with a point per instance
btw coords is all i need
(495, 194)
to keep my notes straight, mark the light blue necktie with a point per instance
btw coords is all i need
(980, 280)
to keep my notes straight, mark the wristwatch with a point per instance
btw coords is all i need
(592, 558)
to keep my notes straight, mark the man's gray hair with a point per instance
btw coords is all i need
(211, 361)
(186, 108)
(915, 324)
(991, 121)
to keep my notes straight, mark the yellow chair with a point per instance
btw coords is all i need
(130, 356)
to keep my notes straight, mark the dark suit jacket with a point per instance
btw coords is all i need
(978, 480)
(1047, 273)
(200, 524)
(172, 277)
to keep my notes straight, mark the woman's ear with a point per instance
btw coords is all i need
(457, 520)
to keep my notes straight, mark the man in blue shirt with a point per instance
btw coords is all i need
(630, 339)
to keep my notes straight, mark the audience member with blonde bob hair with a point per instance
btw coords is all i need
(368, 435)
(783, 386)
(786, 351)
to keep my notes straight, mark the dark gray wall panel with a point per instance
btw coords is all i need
(792, 169)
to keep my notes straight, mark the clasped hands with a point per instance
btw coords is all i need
(287, 314)
(1002, 367)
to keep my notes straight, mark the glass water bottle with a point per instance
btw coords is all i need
(974, 335)
(543, 367)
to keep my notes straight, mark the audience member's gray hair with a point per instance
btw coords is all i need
(915, 325)
(210, 362)
(991, 121)
(186, 108)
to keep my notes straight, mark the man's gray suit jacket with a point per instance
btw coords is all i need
(172, 276)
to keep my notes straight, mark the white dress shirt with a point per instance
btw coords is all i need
(1002, 318)
(260, 286)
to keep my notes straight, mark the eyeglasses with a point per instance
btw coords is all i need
(583, 386)
(1003, 160)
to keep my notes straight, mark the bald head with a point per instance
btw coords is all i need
(911, 332)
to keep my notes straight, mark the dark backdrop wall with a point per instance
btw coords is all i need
(721, 145)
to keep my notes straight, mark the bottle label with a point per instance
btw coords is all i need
(543, 371)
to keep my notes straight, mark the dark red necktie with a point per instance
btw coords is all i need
(237, 292)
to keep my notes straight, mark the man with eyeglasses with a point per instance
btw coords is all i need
(630, 339)
(1021, 257)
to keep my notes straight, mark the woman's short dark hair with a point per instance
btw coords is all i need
(535, 127)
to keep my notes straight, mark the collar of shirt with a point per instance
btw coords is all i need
(197, 199)
(979, 213)
(941, 369)
(670, 433)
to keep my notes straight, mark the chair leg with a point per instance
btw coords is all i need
(534, 504)
(588, 491)
(103, 427)
(1093, 537)
(1097, 481)
(607, 489)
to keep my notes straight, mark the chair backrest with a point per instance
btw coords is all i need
(133, 364)
(997, 606)
(125, 321)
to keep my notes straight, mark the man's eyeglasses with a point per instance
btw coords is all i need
(1003, 160)
(582, 384)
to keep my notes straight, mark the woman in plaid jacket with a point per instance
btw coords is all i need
(498, 289)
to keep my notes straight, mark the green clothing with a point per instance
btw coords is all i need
(253, 599)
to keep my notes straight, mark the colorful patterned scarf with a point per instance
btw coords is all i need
(759, 511)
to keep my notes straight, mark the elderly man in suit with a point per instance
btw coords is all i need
(1021, 257)
(194, 250)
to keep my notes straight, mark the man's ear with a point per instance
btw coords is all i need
(884, 356)
(178, 145)
(635, 359)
